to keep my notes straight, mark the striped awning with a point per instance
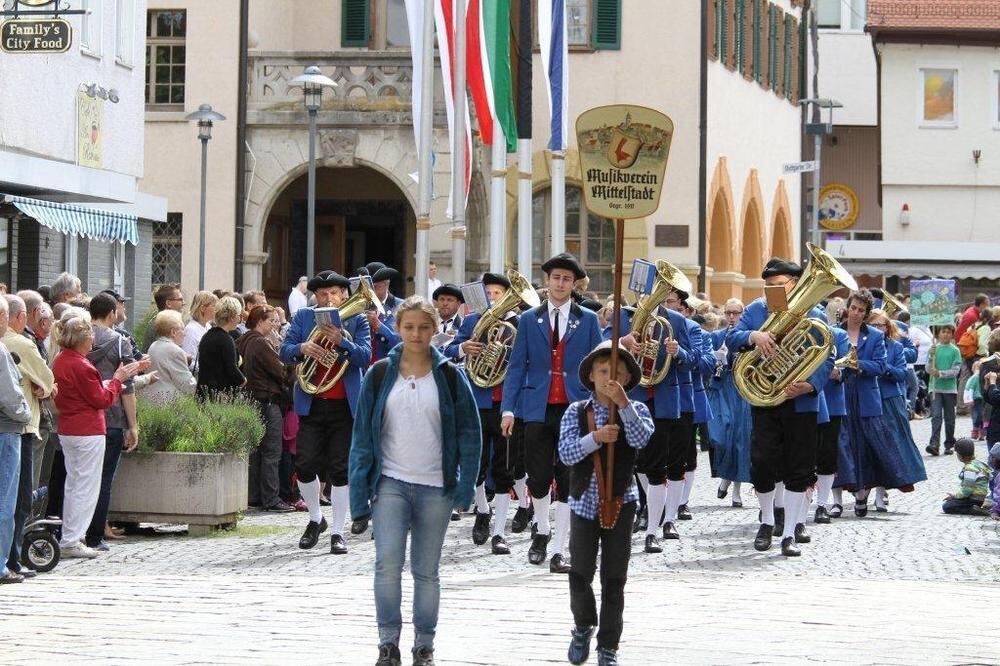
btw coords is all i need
(93, 223)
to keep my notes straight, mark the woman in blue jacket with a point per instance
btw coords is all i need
(414, 457)
(730, 429)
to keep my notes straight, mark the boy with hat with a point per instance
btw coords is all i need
(552, 340)
(585, 435)
(326, 419)
(784, 438)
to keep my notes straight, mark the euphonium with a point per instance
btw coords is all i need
(497, 335)
(651, 330)
(320, 376)
(891, 306)
(803, 344)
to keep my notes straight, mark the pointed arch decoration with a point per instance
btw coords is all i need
(722, 238)
(753, 245)
(782, 239)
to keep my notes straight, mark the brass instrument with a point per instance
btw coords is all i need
(497, 335)
(891, 306)
(319, 376)
(651, 330)
(848, 362)
(803, 344)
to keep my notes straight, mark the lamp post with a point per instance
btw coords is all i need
(205, 117)
(818, 130)
(312, 81)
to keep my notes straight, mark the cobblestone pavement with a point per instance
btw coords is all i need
(894, 587)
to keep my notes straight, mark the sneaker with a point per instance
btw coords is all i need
(423, 656)
(78, 551)
(388, 655)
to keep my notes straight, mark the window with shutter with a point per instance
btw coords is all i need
(765, 44)
(748, 39)
(779, 49)
(355, 24)
(723, 19)
(713, 30)
(739, 36)
(789, 41)
(607, 24)
(772, 47)
(758, 27)
(796, 54)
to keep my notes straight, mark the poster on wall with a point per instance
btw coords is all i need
(932, 302)
(90, 142)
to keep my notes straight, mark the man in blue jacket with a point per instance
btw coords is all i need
(326, 419)
(382, 327)
(552, 341)
(784, 438)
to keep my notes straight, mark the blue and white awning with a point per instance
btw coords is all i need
(101, 225)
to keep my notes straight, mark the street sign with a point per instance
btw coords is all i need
(35, 36)
(800, 167)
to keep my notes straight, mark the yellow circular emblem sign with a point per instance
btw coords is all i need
(838, 206)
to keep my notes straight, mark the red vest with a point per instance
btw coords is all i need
(498, 392)
(557, 387)
(336, 392)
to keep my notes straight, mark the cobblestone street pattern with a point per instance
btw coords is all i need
(905, 587)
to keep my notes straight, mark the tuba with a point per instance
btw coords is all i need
(803, 344)
(319, 376)
(497, 335)
(651, 330)
(891, 306)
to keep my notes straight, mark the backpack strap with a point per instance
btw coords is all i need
(378, 373)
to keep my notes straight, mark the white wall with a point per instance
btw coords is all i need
(38, 108)
(932, 169)
(847, 74)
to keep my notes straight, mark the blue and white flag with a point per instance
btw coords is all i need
(552, 43)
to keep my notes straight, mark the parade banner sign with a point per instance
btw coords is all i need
(623, 158)
(932, 302)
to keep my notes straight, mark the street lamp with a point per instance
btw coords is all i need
(818, 130)
(205, 117)
(312, 81)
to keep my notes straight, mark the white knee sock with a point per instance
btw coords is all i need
(482, 506)
(779, 495)
(656, 497)
(793, 504)
(804, 508)
(644, 482)
(500, 515)
(880, 497)
(838, 496)
(541, 505)
(675, 492)
(766, 501)
(310, 495)
(724, 485)
(824, 484)
(521, 489)
(688, 486)
(340, 498)
(562, 527)
(736, 491)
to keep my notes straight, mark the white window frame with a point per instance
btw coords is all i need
(846, 18)
(937, 124)
(91, 33)
(125, 33)
(118, 268)
(995, 100)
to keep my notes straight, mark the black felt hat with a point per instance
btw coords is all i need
(379, 271)
(778, 266)
(604, 350)
(448, 289)
(326, 279)
(591, 304)
(565, 261)
(497, 279)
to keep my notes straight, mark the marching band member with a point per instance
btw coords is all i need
(829, 434)
(586, 430)
(326, 419)
(383, 328)
(702, 368)
(552, 340)
(499, 453)
(447, 299)
(730, 429)
(784, 438)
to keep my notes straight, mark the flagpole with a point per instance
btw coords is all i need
(558, 191)
(524, 207)
(426, 129)
(458, 150)
(498, 200)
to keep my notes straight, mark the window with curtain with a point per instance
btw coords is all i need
(578, 22)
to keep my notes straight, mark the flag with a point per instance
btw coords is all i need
(444, 20)
(415, 24)
(552, 44)
(496, 38)
(521, 43)
(477, 76)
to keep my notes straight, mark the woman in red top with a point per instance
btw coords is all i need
(81, 401)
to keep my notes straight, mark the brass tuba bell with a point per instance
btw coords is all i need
(803, 344)
(497, 335)
(651, 330)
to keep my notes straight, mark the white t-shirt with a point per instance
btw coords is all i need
(296, 300)
(192, 338)
(923, 340)
(411, 432)
(432, 285)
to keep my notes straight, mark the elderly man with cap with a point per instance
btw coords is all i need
(327, 418)
(297, 298)
(784, 438)
(383, 328)
(552, 341)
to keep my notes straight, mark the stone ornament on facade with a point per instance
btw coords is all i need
(338, 147)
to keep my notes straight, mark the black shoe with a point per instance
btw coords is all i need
(948, 450)
(337, 545)
(722, 492)
(423, 656)
(534, 530)
(579, 644)
(280, 507)
(359, 526)
(652, 544)
(607, 657)
(641, 521)
(836, 510)
(762, 541)
(881, 509)
(311, 535)
(801, 536)
(455, 515)
(737, 503)
(861, 509)
(481, 529)
(388, 655)
(558, 564)
(670, 532)
(25, 572)
(683, 513)
(539, 548)
(490, 494)
(499, 545)
(788, 548)
(521, 519)
(779, 519)
(324, 500)
(933, 450)
(822, 516)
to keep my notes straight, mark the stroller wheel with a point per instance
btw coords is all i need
(40, 551)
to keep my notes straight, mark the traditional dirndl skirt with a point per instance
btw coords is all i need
(730, 432)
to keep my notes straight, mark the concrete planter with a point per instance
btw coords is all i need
(203, 490)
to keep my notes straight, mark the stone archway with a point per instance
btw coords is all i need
(781, 224)
(752, 238)
(726, 282)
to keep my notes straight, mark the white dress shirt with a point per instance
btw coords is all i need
(296, 301)
(563, 311)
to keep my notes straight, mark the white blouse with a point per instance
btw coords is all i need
(411, 432)
(192, 338)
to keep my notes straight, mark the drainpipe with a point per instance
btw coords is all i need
(241, 135)
(703, 151)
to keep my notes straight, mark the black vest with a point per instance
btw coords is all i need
(581, 473)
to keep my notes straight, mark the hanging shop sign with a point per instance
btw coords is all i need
(838, 207)
(35, 36)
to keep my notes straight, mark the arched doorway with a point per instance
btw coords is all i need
(361, 216)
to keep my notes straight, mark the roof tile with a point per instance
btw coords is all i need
(944, 15)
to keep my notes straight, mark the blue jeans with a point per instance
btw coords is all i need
(10, 473)
(23, 504)
(398, 509)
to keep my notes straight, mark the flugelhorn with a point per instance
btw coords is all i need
(497, 335)
(651, 330)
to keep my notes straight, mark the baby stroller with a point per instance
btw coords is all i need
(40, 547)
